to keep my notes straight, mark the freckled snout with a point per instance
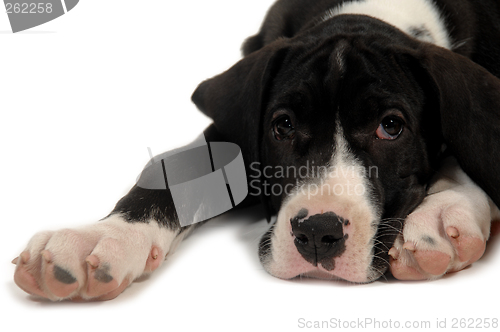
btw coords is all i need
(319, 238)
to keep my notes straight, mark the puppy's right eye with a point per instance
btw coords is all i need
(283, 128)
(390, 128)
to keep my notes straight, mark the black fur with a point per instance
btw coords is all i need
(290, 67)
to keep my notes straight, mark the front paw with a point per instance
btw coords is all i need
(96, 262)
(446, 233)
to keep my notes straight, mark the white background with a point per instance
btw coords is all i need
(81, 99)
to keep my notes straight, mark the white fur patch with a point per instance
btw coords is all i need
(453, 200)
(406, 15)
(121, 246)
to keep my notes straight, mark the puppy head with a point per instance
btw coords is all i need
(341, 128)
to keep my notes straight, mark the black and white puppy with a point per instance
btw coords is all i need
(342, 110)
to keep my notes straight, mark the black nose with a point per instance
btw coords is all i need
(320, 238)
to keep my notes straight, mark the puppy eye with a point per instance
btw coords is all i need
(390, 128)
(283, 128)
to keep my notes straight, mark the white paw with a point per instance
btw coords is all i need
(93, 262)
(446, 233)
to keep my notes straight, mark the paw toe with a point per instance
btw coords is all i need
(99, 281)
(469, 249)
(24, 278)
(114, 293)
(402, 271)
(432, 261)
(59, 282)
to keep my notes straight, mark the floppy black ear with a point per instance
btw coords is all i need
(235, 99)
(469, 98)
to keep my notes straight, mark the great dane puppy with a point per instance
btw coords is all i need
(370, 129)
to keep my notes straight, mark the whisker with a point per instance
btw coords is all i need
(379, 272)
(380, 242)
(382, 259)
(388, 233)
(392, 227)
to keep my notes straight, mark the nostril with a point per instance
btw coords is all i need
(319, 238)
(329, 239)
(302, 238)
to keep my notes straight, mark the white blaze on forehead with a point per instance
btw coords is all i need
(359, 209)
(406, 15)
(334, 192)
(339, 53)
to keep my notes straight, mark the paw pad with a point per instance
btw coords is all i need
(432, 261)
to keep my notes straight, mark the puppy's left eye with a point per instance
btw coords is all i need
(283, 128)
(390, 128)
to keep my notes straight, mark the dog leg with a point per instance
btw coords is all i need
(99, 261)
(448, 231)
(95, 262)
